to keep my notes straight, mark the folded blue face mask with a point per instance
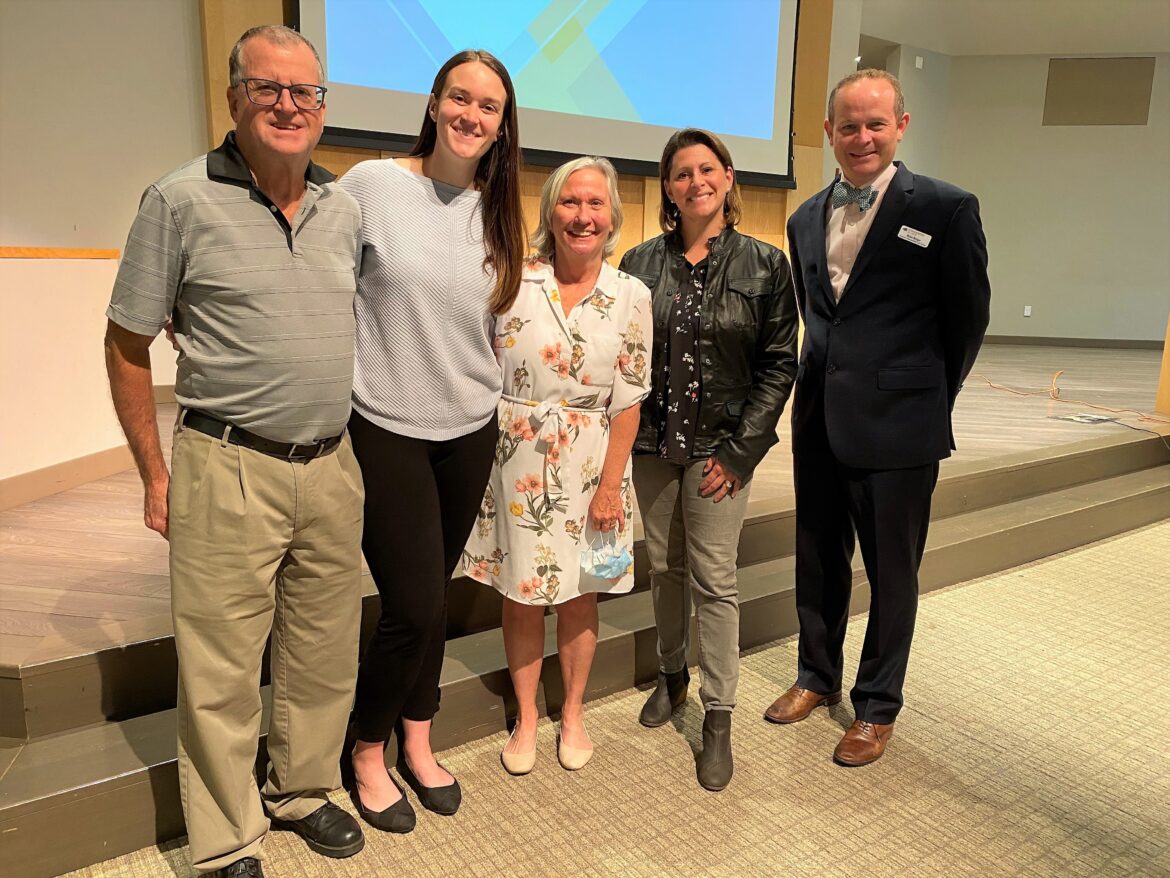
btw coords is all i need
(605, 558)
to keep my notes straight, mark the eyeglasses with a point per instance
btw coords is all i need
(267, 93)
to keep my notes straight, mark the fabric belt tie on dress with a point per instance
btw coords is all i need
(204, 423)
(541, 413)
(542, 410)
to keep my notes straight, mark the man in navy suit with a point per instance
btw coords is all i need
(890, 271)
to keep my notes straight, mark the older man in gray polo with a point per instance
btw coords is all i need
(252, 251)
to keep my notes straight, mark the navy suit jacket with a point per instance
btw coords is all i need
(879, 370)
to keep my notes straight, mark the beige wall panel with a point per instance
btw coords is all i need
(223, 22)
(1098, 91)
(813, 35)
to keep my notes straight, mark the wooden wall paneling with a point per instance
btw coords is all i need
(810, 92)
(813, 34)
(763, 213)
(531, 182)
(651, 201)
(632, 191)
(808, 168)
(339, 159)
(223, 22)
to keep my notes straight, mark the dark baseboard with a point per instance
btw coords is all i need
(1129, 344)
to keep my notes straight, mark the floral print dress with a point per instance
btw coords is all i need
(564, 378)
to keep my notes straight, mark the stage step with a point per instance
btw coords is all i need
(110, 684)
(114, 784)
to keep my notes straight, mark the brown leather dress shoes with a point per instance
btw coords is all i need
(797, 703)
(863, 743)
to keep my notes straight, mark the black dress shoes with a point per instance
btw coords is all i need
(714, 766)
(329, 831)
(249, 867)
(441, 800)
(399, 817)
(667, 697)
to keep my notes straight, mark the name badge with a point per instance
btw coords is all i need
(914, 236)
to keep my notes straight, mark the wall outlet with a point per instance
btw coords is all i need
(918, 62)
(1027, 310)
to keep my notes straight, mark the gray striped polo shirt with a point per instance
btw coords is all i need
(263, 310)
(425, 365)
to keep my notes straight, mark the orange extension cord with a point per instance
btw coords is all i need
(1053, 393)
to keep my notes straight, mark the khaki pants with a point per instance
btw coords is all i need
(693, 545)
(260, 545)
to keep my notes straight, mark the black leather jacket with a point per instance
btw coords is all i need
(747, 344)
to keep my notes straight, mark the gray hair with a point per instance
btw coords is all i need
(871, 73)
(277, 35)
(542, 241)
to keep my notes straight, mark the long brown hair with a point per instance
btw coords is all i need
(498, 177)
(668, 213)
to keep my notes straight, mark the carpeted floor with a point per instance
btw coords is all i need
(1032, 744)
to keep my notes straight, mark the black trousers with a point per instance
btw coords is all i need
(421, 501)
(890, 512)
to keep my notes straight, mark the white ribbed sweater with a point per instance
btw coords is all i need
(424, 365)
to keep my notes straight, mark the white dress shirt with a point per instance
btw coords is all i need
(845, 231)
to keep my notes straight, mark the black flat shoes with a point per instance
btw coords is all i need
(441, 800)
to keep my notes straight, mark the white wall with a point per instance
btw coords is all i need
(927, 90)
(1077, 218)
(98, 98)
(53, 391)
(842, 59)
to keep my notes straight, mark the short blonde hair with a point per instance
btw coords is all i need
(542, 243)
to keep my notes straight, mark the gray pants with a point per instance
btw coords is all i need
(693, 544)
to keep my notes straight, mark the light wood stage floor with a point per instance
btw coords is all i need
(79, 572)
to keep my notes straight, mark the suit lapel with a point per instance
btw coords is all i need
(889, 217)
(819, 214)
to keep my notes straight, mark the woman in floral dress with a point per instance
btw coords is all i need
(555, 527)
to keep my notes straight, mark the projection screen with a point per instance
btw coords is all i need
(605, 77)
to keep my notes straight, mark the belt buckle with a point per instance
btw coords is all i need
(318, 449)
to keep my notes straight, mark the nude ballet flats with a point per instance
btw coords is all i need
(572, 758)
(518, 762)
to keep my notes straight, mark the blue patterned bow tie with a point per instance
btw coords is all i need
(844, 194)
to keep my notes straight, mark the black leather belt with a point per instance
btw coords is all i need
(210, 426)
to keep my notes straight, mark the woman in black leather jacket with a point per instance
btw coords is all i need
(723, 365)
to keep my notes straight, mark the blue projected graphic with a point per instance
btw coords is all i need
(664, 62)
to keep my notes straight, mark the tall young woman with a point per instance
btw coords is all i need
(443, 248)
(555, 527)
(724, 363)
